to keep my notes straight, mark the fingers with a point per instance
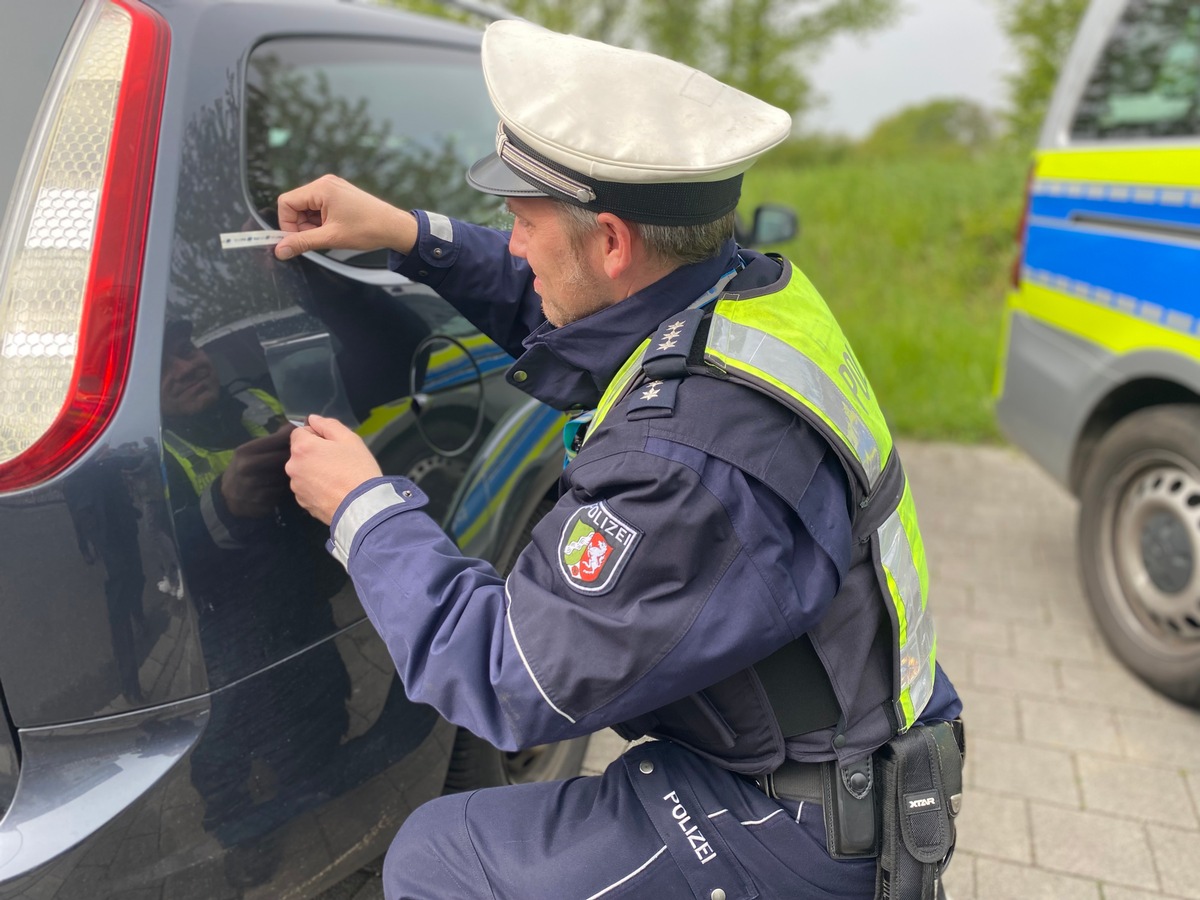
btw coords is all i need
(304, 212)
(330, 429)
(332, 213)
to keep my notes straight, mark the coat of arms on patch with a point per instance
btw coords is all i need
(594, 548)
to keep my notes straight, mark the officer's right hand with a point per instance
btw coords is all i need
(254, 482)
(331, 213)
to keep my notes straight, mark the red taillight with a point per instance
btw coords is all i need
(71, 263)
(1022, 229)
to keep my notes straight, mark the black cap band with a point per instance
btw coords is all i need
(666, 203)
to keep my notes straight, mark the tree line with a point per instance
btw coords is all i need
(767, 47)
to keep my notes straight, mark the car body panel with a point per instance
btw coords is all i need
(200, 727)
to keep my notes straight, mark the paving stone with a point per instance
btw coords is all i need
(989, 713)
(955, 662)
(1004, 881)
(994, 825)
(1115, 892)
(959, 880)
(1009, 768)
(1177, 854)
(1013, 673)
(1193, 781)
(1171, 738)
(947, 597)
(1135, 790)
(1054, 643)
(1073, 726)
(972, 633)
(995, 600)
(1114, 686)
(1092, 845)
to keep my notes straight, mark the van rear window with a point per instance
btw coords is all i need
(1147, 83)
(401, 121)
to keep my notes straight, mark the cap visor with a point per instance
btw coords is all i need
(492, 176)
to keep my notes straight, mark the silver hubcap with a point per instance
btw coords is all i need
(1156, 548)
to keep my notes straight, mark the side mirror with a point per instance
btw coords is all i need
(773, 224)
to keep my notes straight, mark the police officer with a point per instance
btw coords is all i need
(733, 566)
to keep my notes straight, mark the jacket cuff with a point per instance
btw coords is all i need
(433, 254)
(365, 507)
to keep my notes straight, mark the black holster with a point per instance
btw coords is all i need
(919, 776)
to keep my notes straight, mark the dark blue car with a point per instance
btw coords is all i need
(193, 702)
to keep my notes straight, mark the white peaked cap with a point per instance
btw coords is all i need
(617, 130)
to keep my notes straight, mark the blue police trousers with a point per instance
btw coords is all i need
(659, 823)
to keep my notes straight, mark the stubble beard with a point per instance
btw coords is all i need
(584, 293)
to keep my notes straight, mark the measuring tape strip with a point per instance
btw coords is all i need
(236, 240)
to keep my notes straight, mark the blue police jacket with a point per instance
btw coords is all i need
(704, 570)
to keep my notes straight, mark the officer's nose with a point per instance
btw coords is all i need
(516, 240)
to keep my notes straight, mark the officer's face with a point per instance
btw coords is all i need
(571, 284)
(189, 382)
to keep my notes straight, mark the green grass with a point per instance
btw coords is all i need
(913, 256)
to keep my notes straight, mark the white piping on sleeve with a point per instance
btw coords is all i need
(524, 661)
(763, 819)
(630, 875)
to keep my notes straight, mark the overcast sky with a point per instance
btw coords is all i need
(939, 48)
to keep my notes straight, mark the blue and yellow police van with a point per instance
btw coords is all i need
(1099, 378)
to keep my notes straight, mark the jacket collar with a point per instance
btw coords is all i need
(569, 367)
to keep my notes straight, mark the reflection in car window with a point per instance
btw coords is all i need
(399, 121)
(1147, 82)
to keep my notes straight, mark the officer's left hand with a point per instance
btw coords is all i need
(328, 462)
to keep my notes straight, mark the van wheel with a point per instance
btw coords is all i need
(1139, 545)
(475, 763)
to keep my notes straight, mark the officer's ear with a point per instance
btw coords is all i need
(621, 245)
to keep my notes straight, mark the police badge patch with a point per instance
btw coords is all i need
(595, 546)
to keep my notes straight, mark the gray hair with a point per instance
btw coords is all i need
(680, 245)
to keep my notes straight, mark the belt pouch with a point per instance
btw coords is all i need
(851, 813)
(920, 777)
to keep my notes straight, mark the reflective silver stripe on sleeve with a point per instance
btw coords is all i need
(524, 660)
(440, 226)
(784, 362)
(216, 528)
(360, 511)
(916, 674)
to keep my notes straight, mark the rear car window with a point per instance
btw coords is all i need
(400, 121)
(1147, 83)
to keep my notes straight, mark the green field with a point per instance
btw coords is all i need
(913, 256)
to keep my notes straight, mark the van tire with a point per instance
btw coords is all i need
(1139, 545)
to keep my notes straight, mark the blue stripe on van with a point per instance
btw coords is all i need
(460, 370)
(511, 456)
(1144, 211)
(1156, 279)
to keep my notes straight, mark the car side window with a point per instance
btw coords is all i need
(1147, 82)
(401, 122)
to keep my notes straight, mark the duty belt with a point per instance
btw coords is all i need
(794, 781)
(898, 805)
(847, 795)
